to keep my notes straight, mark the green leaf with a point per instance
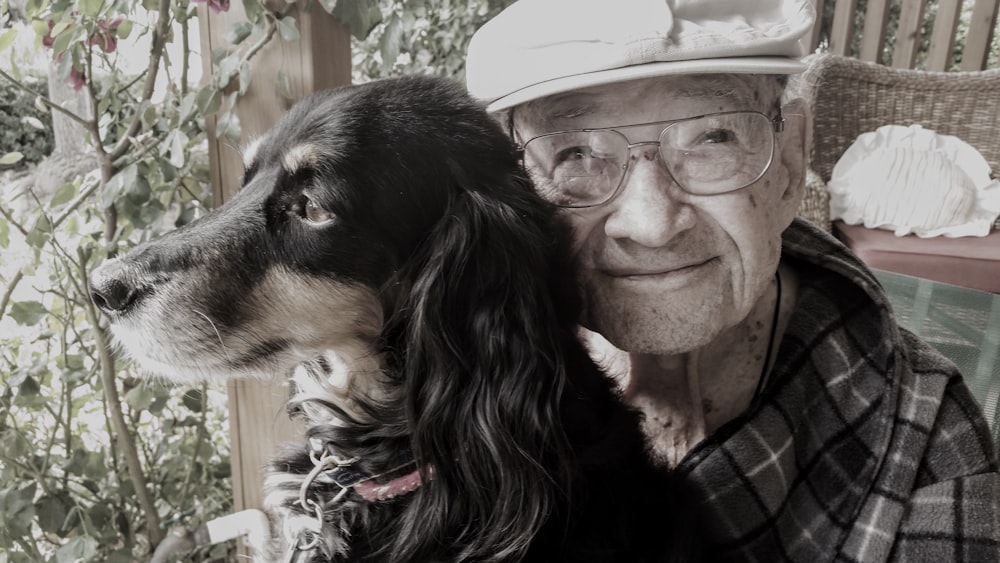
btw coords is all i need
(360, 17)
(209, 100)
(51, 513)
(41, 29)
(28, 313)
(138, 191)
(90, 8)
(124, 29)
(238, 31)
(4, 234)
(118, 184)
(40, 234)
(60, 27)
(218, 54)
(140, 397)
(245, 77)
(123, 555)
(390, 41)
(65, 193)
(283, 87)
(228, 67)
(16, 510)
(33, 121)
(29, 388)
(14, 444)
(287, 29)
(192, 400)
(100, 515)
(328, 5)
(77, 549)
(175, 145)
(187, 107)
(63, 40)
(7, 38)
(11, 158)
(253, 8)
(149, 115)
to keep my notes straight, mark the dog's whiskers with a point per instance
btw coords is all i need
(225, 351)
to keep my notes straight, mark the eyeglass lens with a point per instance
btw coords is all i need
(707, 155)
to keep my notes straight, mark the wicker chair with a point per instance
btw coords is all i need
(849, 97)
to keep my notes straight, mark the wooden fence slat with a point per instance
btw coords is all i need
(321, 58)
(943, 35)
(975, 56)
(843, 27)
(812, 38)
(873, 35)
(911, 16)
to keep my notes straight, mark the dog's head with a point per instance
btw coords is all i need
(337, 201)
(389, 228)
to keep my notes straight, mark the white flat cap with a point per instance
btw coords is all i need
(536, 48)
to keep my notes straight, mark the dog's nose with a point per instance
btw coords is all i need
(111, 290)
(113, 296)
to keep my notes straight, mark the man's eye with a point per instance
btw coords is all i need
(715, 136)
(574, 153)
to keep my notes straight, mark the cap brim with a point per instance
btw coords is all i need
(736, 65)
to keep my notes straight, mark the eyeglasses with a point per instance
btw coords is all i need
(709, 154)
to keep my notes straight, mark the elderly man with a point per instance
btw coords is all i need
(763, 353)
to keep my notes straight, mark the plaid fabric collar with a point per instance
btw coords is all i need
(826, 462)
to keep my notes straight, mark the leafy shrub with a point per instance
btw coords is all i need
(23, 127)
(95, 461)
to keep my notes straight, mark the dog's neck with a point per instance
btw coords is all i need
(390, 483)
(342, 377)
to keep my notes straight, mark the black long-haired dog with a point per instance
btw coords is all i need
(388, 243)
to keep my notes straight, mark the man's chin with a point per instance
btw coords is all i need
(648, 330)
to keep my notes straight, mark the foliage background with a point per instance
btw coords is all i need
(71, 415)
(97, 462)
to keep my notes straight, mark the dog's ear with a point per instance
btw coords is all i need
(483, 368)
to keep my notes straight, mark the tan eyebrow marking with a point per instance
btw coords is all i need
(250, 150)
(301, 156)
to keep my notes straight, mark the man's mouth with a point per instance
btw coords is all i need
(649, 273)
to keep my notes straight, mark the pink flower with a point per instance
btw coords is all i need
(77, 79)
(106, 35)
(49, 39)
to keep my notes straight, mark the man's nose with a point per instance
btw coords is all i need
(649, 209)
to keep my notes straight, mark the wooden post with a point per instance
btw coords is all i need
(812, 38)
(320, 59)
(911, 17)
(843, 27)
(873, 34)
(978, 41)
(943, 35)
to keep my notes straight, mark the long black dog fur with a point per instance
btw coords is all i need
(525, 449)
(534, 457)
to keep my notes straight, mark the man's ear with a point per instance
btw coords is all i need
(794, 145)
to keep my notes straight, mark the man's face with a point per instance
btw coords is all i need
(664, 271)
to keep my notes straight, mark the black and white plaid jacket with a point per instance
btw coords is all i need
(866, 446)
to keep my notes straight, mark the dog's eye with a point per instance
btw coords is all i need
(313, 212)
(317, 214)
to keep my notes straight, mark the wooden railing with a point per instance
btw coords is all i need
(895, 33)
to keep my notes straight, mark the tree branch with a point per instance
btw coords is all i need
(126, 442)
(160, 34)
(46, 100)
(10, 291)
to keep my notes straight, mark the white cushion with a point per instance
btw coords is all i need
(913, 180)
